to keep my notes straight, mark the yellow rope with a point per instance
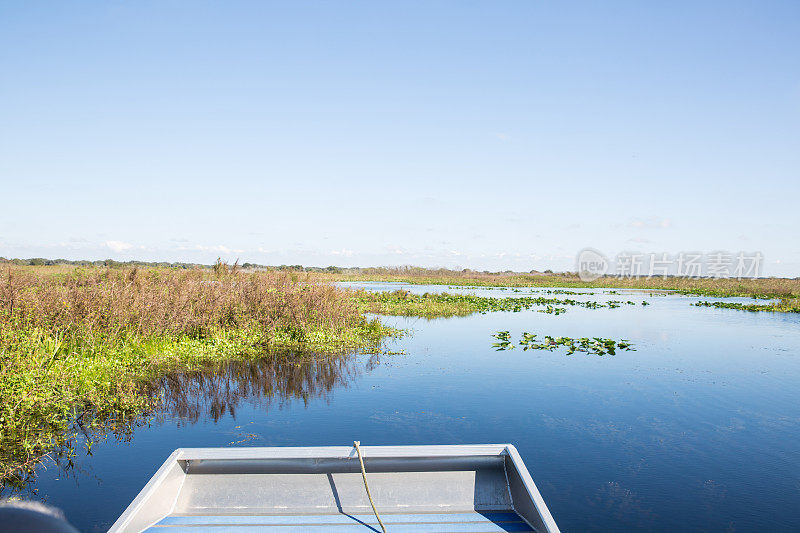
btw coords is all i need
(366, 486)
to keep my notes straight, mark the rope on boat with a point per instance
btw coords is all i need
(366, 486)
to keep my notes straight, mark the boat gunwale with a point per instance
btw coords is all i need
(183, 457)
(341, 452)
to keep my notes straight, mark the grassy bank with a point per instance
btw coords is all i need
(437, 305)
(79, 346)
(404, 303)
(786, 291)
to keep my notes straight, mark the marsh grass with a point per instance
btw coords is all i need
(442, 305)
(404, 303)
(78, 346)
(787, 290)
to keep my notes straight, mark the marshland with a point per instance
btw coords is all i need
(79, 345)
(784, 292)
(261, 223)
(105, 369)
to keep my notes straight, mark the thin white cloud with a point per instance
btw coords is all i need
(119, 247)
(650, 223)
(218, 248)
(343, 252)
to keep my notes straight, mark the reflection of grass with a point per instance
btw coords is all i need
(780, 288)
(78, 346)
(428, 305)
(284, 376)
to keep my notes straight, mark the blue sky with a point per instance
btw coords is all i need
(490, 135)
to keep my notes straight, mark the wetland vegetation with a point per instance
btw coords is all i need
(779, 306)
(437, 305)
(593, 345)
(785, 291)
(79, 346)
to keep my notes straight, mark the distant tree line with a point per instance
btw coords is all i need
(397, 270)
(41, 261)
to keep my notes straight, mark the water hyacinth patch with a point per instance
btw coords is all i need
(593, 345)
(503, 341)
(436, 305)
(784, 306)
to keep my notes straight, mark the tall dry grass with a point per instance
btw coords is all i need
(111, 303)
(78, 346)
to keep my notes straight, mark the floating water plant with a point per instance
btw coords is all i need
(784, 306)
(553, 310)
(563, 291)
(503, 341)
(593, 345)
(444, 304)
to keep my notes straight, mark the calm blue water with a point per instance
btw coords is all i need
(698, 430)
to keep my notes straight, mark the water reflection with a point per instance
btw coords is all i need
(206, 394)
(273, 380)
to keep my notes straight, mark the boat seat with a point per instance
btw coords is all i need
(471, 522)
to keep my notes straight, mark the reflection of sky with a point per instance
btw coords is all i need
(698, 426)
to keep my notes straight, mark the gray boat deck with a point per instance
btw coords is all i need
(473, 522)
(458, 489)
